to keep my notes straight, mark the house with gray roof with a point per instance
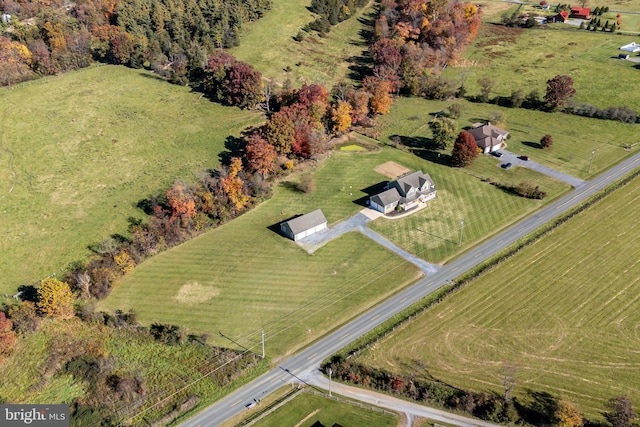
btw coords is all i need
(304, 225)
(488, 137)
(404, 193)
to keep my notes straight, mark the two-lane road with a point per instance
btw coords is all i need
(311, 357)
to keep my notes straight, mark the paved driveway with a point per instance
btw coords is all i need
(509, 157)
(358, 222)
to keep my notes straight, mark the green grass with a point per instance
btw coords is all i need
(564, 311)
(78, 152)
(317, 409)
(165, 369)
(574, 137)
(352, 147)
(268, 45)
(243, 277)
(526, 59)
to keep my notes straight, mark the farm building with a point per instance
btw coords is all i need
(563, 16)
(304, 225)
(631, 47)
(405, 192)
(489, 137)
(580, 12)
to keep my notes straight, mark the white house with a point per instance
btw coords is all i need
(304, 225)
(488, 137)
(405, 192)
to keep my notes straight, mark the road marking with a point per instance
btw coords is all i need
(234, 404)
(592, 187)
(501, 240)
(375, 317)
(344, 336)
(404, 299)
(430, 283)
(478, 255)
(455, 268)
(312, 356)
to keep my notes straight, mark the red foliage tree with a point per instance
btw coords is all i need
(242, 85)
(7, 334)
(559, 90)
(180, 199)
(359, 100)
(309, 94)
(260, 155)
(465, 150)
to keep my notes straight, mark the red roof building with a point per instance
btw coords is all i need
(580, 12)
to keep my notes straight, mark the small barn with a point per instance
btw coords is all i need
(304, 225)
(624, 56)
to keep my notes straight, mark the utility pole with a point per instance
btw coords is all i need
(593, 153)
(330, 372)
(461, 227)
(263, 343)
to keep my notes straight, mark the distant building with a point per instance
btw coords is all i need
(6, 18)
(580, 13)
(489, 137)
(304, 225)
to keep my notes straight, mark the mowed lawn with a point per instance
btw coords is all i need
(565, 312)
(244, 276)
(268, 45)
(308, 410)
(78, 152)
(525, 59)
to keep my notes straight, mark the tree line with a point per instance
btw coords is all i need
(173, 38)
(543, 409)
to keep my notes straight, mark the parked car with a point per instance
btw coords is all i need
(525, 158)
(496, 154)
(505, 165)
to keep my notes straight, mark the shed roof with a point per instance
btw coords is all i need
(307, 221)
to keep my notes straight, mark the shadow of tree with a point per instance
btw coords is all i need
(234, 148)
(532, 144)
(540, 410)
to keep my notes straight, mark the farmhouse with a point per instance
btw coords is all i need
(404, 193)
(563, 16)
(489, 137)
(580, 12)
(631, 47)
(304, 225)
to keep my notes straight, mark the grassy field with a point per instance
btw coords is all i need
(243, 276)
(315, 59)
(77, 153)
(564, 311)
(574, 137)
(308, 410)
(526, 59)
(164, 368)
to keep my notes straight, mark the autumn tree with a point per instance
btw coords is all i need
(559, 90)
(242, 86)
(24, 317)
(465, 150)
(567, 415)
(341, 116)
(181, 200)
(380, 90)
(279, 131)
(260, 155)
(444, 132)
(7, 334)
(55, 298)
(620, 412)
(486, 86)
(546, 141)
(233, 185)
(359, 101)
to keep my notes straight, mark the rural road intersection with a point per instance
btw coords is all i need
(309, 359)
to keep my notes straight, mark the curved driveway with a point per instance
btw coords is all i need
(310, 358)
